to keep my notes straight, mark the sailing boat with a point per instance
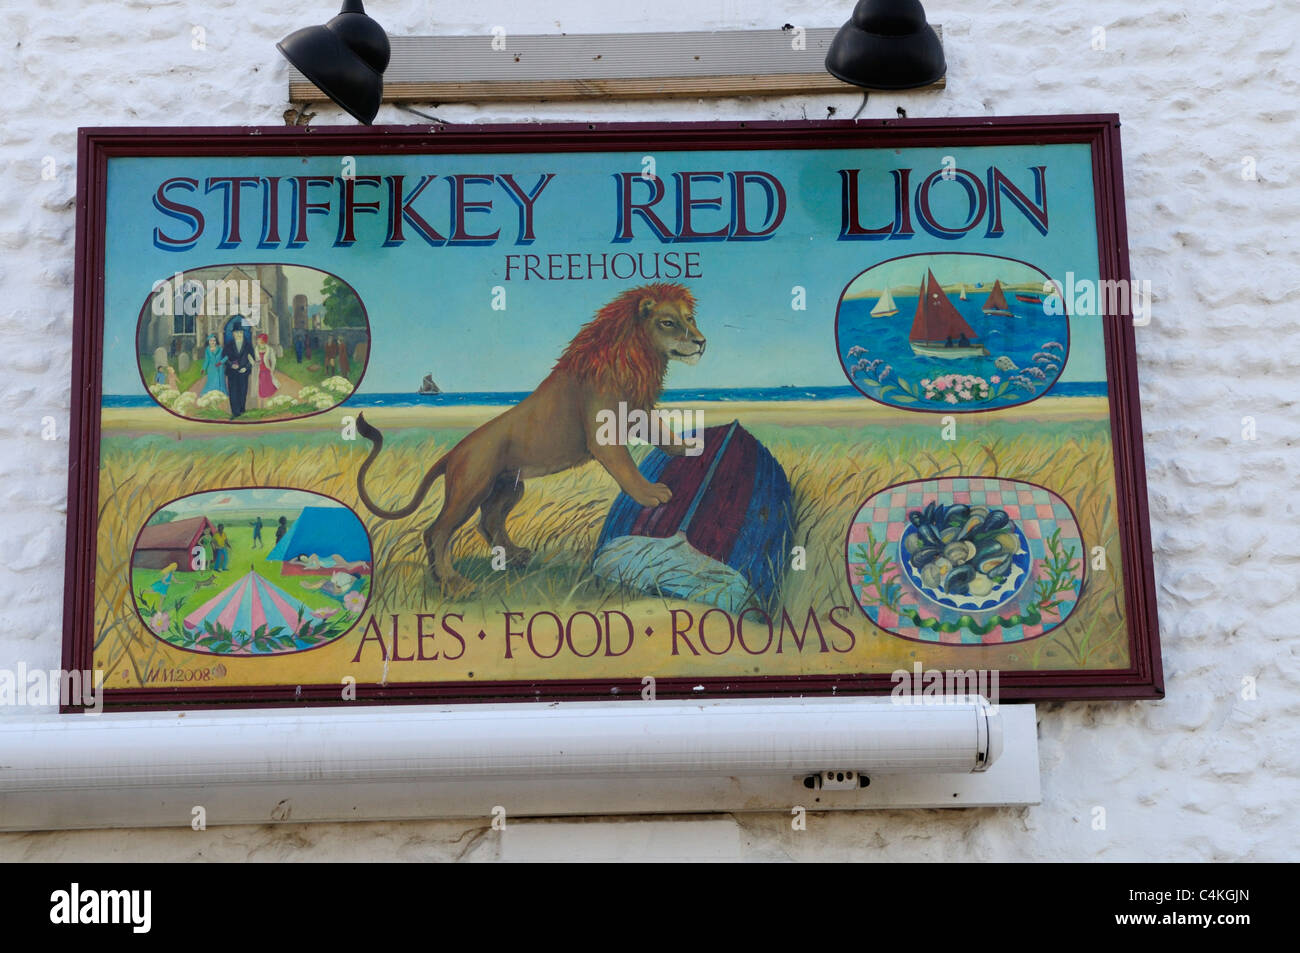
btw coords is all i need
(885, 306)
(997, 303)
(427, 386)
(963, 293)
(938, 330)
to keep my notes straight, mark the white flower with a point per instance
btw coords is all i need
(213, 398)
(339, 385)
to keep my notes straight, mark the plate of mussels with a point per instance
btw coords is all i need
(964, 557)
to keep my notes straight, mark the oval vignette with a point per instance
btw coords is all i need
(981, 340)
(311, 369)
(251, 572)
(893, 602)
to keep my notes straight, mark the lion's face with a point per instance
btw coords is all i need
(672, 331)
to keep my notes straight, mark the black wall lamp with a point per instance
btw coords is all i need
(345, 59)
(887, 44)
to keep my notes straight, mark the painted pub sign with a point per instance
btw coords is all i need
(569, 411)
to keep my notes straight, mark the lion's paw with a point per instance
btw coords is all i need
(452, 584)
(652, 494)
(519, 557)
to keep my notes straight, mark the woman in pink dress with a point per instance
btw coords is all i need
(266, 382)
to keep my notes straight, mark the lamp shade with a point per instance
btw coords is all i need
(345, 59)
(886, 44)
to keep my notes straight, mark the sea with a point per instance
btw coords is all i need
(1019, 337)
(676, 396)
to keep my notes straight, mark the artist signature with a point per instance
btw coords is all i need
(210, 674)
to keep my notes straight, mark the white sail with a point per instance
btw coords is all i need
(885, 306)
(963, 292)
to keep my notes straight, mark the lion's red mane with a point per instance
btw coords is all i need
(612, 351)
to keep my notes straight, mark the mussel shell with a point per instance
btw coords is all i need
(958, 514)
(995, 521)
(958, 581)
(987, 548)
(925, 555)
(928, 535)
(962, 551)
(995, 565)
(968, 528)
(933, 574)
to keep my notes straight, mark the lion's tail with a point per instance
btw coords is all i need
(375, 437)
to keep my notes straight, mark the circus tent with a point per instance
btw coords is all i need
(250, 603)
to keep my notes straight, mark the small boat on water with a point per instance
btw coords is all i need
(427, 386)
(885, 306)
(1030, 299)
(962, 296)
(939, 330)
(997, 302)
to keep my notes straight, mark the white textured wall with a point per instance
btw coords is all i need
(1202, 775)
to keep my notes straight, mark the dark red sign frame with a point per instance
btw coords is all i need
(1143, 679)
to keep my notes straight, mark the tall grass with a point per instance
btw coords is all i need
(832, 470)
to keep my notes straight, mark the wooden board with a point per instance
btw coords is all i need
(466, 69)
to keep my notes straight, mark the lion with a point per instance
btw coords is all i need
(620, 356)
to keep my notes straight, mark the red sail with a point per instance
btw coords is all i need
(936, 318)
(997, 300)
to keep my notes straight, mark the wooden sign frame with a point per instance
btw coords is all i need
(112, 224)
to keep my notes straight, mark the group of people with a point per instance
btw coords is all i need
(216, 548)
(242, 365)
(336, 351)
(230, 366)
(216, 544)
(281, 528)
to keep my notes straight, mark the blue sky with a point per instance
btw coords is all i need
(212, 503)
(431, 308)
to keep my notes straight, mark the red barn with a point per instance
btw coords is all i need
(174, 542)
